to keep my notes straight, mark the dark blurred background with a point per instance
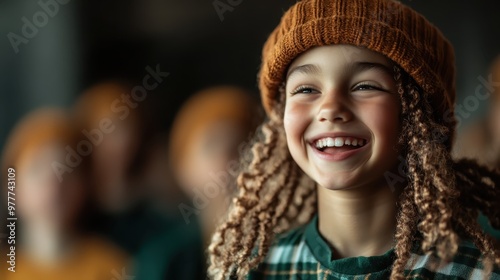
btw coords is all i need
(130, 188)
(89, 41)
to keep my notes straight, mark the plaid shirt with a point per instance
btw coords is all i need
(303, 254)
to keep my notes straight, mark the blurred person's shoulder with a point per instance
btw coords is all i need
(103, 256)
(87, 258)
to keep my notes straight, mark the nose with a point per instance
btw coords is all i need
(334, 108)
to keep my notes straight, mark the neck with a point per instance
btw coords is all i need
(358, 222)
(45, 243)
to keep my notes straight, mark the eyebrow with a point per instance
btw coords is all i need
(363, 66)
(351, 68)
(304, 69)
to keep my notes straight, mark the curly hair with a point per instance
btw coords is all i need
(438, 205)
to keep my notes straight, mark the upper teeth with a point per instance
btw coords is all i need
(338, 142)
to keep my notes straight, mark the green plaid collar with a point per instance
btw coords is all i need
(303, 254)
(323, 253)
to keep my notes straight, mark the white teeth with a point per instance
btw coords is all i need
(338, 142)
(330, 142)
(320, 143)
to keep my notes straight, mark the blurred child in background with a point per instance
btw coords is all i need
(481, 140)
(50, 195)
(206, 141)
(111, 117)
(115, 149)
(207, 136)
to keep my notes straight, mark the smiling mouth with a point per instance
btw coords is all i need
(332, 145)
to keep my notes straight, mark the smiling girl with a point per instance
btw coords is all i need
(352, 176)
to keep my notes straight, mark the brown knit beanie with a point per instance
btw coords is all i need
(384, 26)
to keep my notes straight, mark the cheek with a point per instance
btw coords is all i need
(383, 120)
(295, 120)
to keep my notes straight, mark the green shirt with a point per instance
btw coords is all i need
(304, 254)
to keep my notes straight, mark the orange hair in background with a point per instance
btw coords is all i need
(96, 103)
(37, 129)
(205, 108)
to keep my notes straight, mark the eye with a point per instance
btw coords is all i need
(304, 90)
(367, 86)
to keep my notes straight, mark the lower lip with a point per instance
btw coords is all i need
(338, 156)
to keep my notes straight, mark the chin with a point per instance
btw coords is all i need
(335, 184)
(336, 187)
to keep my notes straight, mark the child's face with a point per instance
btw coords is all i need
(211, 149)
(344, 96)
(42, 198)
